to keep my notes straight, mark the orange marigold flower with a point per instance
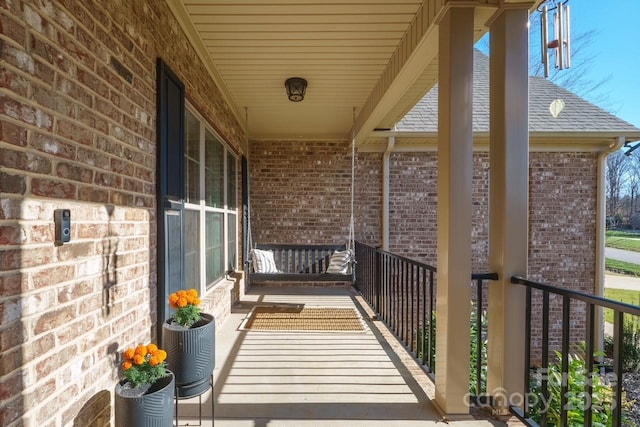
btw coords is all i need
(182, 302)
(138, 360)
(173, 305)
(182, 293)
(196, 301)
(153, 361)
(141, 350)
(161, 355)
(128, 354)
(152, 348)
(192, 292)
(173, 298)
(126, 365)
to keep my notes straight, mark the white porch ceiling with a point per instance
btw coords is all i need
(377, 56)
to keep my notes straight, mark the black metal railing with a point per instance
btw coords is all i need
(481, 332)
(402, 293)
(553, 300)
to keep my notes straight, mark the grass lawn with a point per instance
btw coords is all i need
(627, 240)
(623, 233)
(622, 295)
(622, 267)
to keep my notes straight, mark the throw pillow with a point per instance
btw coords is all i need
(263, 261)
(339, 262)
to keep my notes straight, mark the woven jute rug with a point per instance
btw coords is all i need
(304, 319)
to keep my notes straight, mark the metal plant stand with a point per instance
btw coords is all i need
(180, 394)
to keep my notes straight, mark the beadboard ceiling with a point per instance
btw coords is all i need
(343, 48)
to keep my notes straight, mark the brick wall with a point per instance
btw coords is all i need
(368, 198)
(562, 213)
(77, 131)
(562, 230)
(293, 183)
(300, 191)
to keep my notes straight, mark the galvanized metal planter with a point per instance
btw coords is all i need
(191, 354)
(151, 408)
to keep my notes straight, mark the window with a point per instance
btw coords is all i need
(211, 207)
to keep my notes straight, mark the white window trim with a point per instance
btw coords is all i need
(202, 208)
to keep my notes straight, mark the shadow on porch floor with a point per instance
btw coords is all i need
(314, 379)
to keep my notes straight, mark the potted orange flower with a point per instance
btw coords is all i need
(145, 395)
(189, 337)
(186, 304)
(144, 365)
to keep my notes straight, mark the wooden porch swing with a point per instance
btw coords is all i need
(303, 262)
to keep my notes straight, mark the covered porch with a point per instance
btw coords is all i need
(143, 118)
(364, 65)
(297, 378)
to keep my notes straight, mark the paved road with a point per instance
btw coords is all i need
(620, 281)
(622, 255)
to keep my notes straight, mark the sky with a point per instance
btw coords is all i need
(616, 52)
(613, 51)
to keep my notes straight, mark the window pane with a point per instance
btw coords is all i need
(214, 171)
(192, 158)
(232, 244)
(214, 246)
(192, 248)
(231, 182)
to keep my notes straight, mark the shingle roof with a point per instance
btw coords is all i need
(577, 116)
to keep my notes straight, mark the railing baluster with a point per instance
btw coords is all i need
(399, 297)
(401, 266)
(404, 301)
(618, 339)
(387, 281)
(590, 349)
(432, 363)
(478, 337)
(387, 278)
(545, 354)
(412, 324)
(377, 280)
(527, 350)
(423, 317)
(564, 388)
(394, 295)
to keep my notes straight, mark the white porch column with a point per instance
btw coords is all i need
(508, 204)
(455, 172)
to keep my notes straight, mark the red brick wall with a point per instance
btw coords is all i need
(562, 231)
(300, 191)
(76, 134)
(413, 202)
(290, 190)
(562, 212)
(368, 198)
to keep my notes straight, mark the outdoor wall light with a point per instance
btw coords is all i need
(296, 87)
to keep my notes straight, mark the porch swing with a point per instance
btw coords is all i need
(272, 262)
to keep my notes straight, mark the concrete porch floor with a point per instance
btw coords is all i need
(314, 379)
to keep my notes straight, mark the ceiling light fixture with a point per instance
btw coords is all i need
(296, 88)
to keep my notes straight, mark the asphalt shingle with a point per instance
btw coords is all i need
(578, 114)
